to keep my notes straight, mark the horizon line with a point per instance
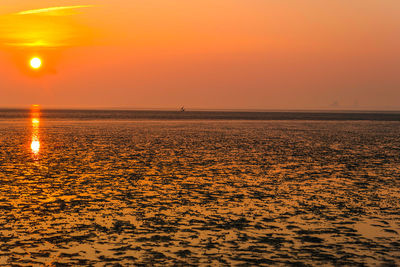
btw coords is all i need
(196, 109)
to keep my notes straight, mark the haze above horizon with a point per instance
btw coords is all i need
(164, 54)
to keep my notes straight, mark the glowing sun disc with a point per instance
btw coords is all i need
(36, 62)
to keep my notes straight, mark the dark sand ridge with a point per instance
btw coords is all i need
(204, 115)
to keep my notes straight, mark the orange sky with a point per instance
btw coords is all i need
(253, 54)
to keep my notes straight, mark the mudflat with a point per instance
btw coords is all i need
(199, 192)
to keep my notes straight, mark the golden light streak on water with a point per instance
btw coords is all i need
(35, 144)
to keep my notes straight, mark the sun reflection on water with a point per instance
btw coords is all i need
(35, 144)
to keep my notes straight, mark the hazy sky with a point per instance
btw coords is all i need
(245, 54)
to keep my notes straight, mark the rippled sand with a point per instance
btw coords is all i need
(199, 192)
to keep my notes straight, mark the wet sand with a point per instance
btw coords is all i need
(199, 193)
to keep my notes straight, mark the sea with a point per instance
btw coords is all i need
(199, 188)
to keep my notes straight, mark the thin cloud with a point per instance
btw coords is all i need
(45, 27)
(54, 11)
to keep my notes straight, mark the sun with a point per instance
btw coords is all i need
(36, 63)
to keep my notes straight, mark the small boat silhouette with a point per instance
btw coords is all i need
(183, 109)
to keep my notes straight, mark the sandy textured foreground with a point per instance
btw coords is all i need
(204, 192)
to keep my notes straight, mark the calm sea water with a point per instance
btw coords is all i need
(199, 188)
